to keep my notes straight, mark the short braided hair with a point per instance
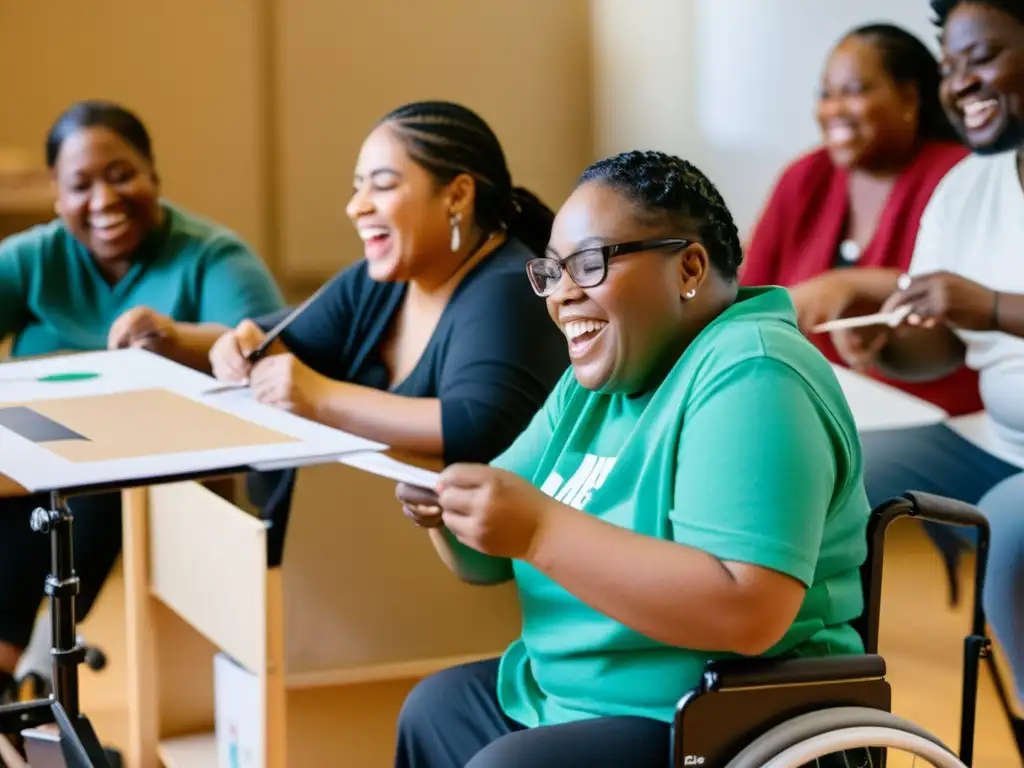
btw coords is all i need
(447, 140)
(662, 184)
(942, 8)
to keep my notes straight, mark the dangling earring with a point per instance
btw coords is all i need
(455, 219)
(690, 294)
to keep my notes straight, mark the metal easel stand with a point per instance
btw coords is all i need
(78, 743)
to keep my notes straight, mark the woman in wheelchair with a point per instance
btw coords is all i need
(691, 490)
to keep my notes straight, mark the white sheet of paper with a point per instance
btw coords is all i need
(878, 406)
(31, 465)
(385, 466)
(892, 319)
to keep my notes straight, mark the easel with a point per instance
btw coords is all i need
(78, 744)
(196, 438)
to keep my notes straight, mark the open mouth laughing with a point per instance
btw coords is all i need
(582, 333)
(977, 113)
(109, 227)
(376, 241)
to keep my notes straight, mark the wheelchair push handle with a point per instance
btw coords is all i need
(927, 506)
(940, 509)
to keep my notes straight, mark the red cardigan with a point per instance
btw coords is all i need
(802, 226)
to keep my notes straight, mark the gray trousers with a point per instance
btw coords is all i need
(937, 460)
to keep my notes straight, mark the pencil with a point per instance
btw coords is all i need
(282, 326)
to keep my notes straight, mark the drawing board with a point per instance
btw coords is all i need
(137, 416)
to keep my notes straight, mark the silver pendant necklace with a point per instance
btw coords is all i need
(849, 251)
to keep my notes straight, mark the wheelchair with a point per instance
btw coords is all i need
(795, 712)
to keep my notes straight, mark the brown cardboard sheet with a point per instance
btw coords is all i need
(145, 422)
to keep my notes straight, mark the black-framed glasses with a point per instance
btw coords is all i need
(588, 267)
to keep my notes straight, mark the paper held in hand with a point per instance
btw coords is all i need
(385, 466)
(891, 319)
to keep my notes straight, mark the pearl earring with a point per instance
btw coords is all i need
(690, 294)
(455, 219)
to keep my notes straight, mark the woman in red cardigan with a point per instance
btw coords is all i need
(856, 202)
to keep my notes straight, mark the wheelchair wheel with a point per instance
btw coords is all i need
(847, 730)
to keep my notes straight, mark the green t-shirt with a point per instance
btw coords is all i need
(53, 297)
(747, 451)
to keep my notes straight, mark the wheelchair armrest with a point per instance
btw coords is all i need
(741, 699)
(755, 673)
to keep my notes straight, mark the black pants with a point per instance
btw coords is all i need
(452, 720)
(25, 555)
(25, 558)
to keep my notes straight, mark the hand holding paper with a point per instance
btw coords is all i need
(420, 505)
(943, 297)
(858, 340)
(889, 319)
(415, 485)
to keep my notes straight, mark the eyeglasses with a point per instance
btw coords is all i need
(588, 268)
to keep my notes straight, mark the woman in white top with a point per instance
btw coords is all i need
(965, 292)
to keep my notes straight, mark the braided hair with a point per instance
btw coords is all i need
(102, 114)
(663, 185)
(447, 140)
(943, 8)
(907, 60)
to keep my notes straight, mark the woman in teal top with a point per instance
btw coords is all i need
(118, 268)
(691, 490)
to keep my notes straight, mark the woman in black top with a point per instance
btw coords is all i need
(434, 343)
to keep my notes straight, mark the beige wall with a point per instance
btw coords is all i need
(258, 107)
(191, 69)
(728, 84)
(522, 64)
(644, 61)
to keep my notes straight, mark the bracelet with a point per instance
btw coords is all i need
(994, 317)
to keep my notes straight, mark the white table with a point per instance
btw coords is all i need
(877, 406)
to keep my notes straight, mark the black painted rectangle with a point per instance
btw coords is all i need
(34, 426)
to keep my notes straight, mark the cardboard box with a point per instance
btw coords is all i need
(238, 716)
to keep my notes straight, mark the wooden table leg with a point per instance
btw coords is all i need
(273, 676)
(140, 645)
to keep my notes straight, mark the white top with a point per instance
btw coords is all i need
(974, 226)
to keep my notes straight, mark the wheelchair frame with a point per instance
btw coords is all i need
(756, 695)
